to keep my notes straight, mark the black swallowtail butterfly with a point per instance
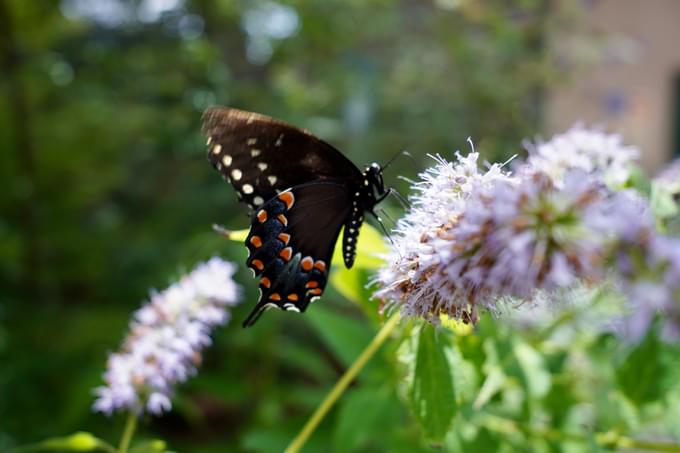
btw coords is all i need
(302, 192)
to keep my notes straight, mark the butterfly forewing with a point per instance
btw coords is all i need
(261, 156)
(291, 243)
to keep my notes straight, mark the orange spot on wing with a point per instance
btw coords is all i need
(288, 198)
(265, 282)
(293, 297)
(307, 263)
(282, 218)
(275, 296)
(286, 253)
(315, 291)
(320, 265)
(259, 265)
(256, 241)
(312, 284)
(262, 215)
(285, 237)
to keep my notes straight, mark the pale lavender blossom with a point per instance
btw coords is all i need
(591, 150)
(441, 197)
(648, 271)
(166, 338)
(474, 237)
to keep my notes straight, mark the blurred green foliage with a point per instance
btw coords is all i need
(107, 193)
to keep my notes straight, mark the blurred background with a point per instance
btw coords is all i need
(106, 191)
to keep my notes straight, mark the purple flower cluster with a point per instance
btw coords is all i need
(415, 277)
(166, 338)
(509, 238)
(474, 238)
(591, 150)
(647, 265)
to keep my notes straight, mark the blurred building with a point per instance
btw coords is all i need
(627, 77)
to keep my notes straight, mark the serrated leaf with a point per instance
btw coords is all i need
(432, 394)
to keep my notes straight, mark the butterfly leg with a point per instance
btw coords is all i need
(394, 192)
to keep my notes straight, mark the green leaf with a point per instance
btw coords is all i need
(80, 441)
(350, 283)
(484, 440)
(344, 335)
(639, 180)
(463, 373)
(370, 245)
(495, 376)
(152, 446)
(266, 440)
(662, 202)
(233, 235)
(353, 284)
(532, 364)
(305, 356)
(641, 374)
(363, 413)
(432, 393)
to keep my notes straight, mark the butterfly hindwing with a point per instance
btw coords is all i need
(261, 156)
(291, 244)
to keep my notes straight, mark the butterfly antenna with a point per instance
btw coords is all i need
(399, 154)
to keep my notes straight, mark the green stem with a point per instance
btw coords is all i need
(128, 432)
(342, 385)
(643, 445)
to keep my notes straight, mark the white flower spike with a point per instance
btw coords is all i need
(165, 341)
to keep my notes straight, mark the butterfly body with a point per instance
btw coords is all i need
(302, 192)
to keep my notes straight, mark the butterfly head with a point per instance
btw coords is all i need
(373, 179)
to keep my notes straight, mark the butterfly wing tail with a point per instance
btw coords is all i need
(255, 314)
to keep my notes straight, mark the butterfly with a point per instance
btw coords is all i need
(302, 192)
